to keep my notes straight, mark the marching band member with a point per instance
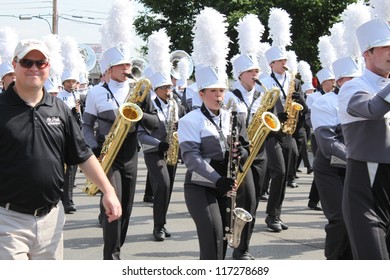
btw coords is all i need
(156, 144)
(247, 98)
(363, 109)
(279, 145)
(73, 63)
(102, 106)
(8, 42)
(203, 138)
(330, 161)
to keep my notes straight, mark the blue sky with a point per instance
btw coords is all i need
(70, 12)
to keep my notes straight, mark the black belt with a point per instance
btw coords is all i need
(39, 212)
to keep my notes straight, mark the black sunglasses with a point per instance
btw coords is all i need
(28, 63)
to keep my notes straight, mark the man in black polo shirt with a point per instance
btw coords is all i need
(38, 134)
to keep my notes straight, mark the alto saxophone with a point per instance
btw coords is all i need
(291, 108)
(129, 113)
(262, 124)
(172, 154)
(238, 216)
(268, 101)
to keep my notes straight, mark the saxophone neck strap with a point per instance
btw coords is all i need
(206, 113)
(110, 95)
(280, 86)
(256, 95)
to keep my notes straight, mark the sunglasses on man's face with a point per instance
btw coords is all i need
(28, 63)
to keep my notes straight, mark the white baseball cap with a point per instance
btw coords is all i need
(28, 45)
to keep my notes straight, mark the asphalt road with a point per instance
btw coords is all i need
(304, 240)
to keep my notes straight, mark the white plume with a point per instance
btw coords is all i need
(72, 58)
(292, 62)
(210, 42)
(234, 73)
(326, 52)
(381, 9)
(158, 51)
(263, 63)
(305, 71)
(118, 30)
(250, 30)
(183, 68)
(8, 42)
(353, 16)
(337, 40)
(56, 64)
(279, 23)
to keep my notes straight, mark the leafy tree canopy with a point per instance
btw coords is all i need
(310, 20)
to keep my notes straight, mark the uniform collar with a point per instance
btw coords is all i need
(114, 84)
(376, 79)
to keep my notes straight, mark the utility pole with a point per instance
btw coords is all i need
(55, 18)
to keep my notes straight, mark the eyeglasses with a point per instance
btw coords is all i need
(28, 63)
(166, 87)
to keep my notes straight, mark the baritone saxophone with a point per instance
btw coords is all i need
(172, 155)
(129, 113)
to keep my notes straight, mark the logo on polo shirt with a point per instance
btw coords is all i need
(53, 121)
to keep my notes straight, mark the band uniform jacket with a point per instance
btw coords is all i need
(202, 148)
(363, 112)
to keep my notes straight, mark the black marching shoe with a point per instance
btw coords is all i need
(148, 198)
(292, 184)
(69, 208)
(239, 254)
(264, 196)
(309, 170)
(273, 224)
(283, 225)
(314, 205)
(167, 233)
(159, 233)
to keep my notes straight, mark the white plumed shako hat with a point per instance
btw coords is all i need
(244, 62)
(6, 68)
(275, 53)
(325, 74)
(374, 33)
(346, 67)
(210, 77)
(116, 56)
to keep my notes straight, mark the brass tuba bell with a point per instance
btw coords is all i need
(175, 58)
(138, 66)
(88, 55)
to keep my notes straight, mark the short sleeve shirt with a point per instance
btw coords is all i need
(35, 142)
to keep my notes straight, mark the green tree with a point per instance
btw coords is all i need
(310, 20)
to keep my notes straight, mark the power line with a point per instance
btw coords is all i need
(79, 21)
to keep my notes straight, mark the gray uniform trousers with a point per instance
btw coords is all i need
(366, 210)
(330, 184)
(161, 180)
(208, 210)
